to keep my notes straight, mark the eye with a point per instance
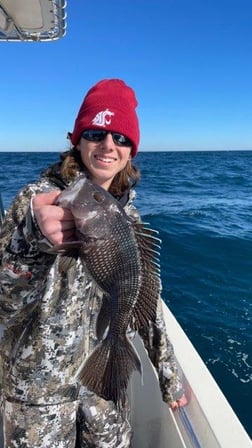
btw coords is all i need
(98, 197)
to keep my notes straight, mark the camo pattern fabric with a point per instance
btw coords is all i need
(88, 422)
(49, 321)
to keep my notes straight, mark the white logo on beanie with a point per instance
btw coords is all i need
(103, 118)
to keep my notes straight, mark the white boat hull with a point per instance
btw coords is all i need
(208, 420)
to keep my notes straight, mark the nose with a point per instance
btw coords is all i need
(108, 142)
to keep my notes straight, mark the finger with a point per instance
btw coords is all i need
(53, 212)
(46, 198)
(67, 215)
(174, 405)
(62, 236)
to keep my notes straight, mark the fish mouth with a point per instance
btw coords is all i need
(104, 159)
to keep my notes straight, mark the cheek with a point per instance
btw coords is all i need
(125, 155)
(83, 156)
(84, 152)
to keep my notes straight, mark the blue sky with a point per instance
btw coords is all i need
(189, 61)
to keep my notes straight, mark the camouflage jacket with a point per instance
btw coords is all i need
(49, 318)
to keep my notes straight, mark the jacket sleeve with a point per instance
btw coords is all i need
(24, 261)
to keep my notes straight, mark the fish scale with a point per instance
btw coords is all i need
(122, 257)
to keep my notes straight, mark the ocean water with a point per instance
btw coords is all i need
(201, 203)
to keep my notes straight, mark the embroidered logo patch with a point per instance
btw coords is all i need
(103, 118)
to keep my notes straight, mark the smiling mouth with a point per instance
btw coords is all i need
(105, 159)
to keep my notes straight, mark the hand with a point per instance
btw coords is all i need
(178, 403)
(56, 223)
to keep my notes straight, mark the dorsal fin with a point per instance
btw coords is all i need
(149, 293)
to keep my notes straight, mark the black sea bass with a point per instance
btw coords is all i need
(121, 257)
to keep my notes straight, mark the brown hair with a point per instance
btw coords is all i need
(71, 164)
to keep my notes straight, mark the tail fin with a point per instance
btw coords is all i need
(107, 370)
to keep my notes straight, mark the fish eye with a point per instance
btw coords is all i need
(98, 197)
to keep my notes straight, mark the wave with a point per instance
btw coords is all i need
(200, 204)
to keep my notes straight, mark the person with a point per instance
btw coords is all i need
(49, 316)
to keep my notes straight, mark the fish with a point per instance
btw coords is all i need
(122, 256)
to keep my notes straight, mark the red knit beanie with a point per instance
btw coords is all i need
(110, 104)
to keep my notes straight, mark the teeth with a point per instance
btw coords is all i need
(104, 159)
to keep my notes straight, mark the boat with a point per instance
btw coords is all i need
(207, 421)
(32, 20)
